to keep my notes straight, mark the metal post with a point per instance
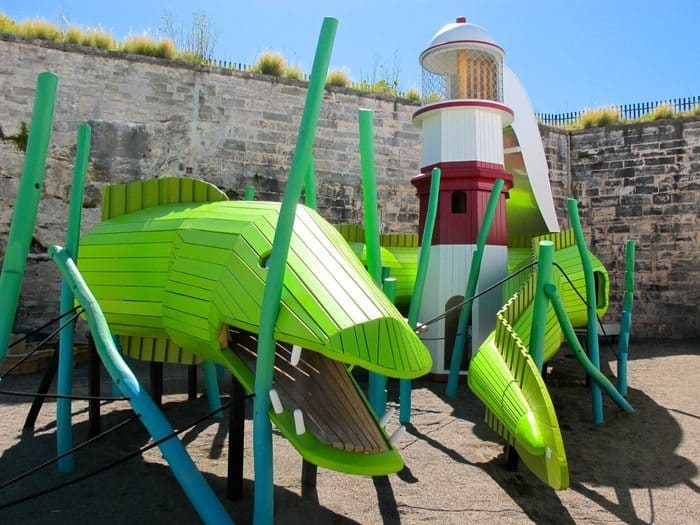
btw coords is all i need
(26, 205)
(263, 509)
(474, 271)
(626, 322)
(419, 286)
(64, 424)
(541, 302)
(377, 382)
(591, 308)
(94, 425)
(236, 431)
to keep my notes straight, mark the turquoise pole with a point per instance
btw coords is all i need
(249, 194)
(310, 186)
(263, 510)
(597, 377)
(474, 271)
(211, 386)
(405, 385)
(541, 302)
(591, 308)
(191, 480)
(64, 429)
(626, 322)
(377, 382)
(26, 205)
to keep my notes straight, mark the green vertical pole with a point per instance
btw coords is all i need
(64, 429)
(474, 271)
(26, 205)
(541, 302)
(377, 382)
(310, 186)
(626, 322)
(591, 308)
(262, 430)
(249, 194)
(419, 286)
(390, 288)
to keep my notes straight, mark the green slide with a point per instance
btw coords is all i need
(504, 376)
(180, 272)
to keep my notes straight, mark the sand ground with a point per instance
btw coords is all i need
(636, 468)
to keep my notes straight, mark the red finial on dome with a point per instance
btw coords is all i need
(461, 20)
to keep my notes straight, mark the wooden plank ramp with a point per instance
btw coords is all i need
(334, 411)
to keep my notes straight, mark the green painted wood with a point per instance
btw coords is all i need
(213, 276)
(505, 377)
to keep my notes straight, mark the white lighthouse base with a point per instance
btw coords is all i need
(445, 286)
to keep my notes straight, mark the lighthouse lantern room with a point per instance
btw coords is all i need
(462, 124)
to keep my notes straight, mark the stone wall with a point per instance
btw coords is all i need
(155, 118)
(642, 181)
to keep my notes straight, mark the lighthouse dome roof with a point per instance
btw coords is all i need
(462, 32)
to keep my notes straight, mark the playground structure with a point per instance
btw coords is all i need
(181, 275)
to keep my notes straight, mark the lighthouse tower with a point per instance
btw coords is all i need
(462, 128)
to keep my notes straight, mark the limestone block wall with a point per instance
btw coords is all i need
(642, 181)
(154, 118)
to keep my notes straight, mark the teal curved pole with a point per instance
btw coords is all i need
(592, 370)
(545, 261)
(64, 428)
(626, 322)
(474, 271)
(377, 382)
(263, 509)
(591, 308)
(191, 480)
(405, 385)
(26, 205)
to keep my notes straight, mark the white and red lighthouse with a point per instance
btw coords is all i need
(462, 129)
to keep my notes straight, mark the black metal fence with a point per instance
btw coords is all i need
(627, 111)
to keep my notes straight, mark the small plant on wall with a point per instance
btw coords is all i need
(270, 63)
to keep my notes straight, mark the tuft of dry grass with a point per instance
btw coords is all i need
(143, 45)
(662, 111)
(101, 40)
(412, 94)
(269, 63)
(594, 118)
(338, 78)
(294, 72)
(7, 25)
(40, 29)
(75, 35)
(431, 98)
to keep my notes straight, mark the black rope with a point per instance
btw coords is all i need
(119, 461)
(48, 323)
(42, 343)
(600, 321)
(485, 291)
(60, 396)
(68, 452)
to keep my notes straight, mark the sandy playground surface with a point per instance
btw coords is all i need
(637, 468)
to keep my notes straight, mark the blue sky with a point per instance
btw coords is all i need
(569, 54)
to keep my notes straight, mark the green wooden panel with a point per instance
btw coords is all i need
(212, 254)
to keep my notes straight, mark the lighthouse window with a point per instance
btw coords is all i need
(459, 202)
